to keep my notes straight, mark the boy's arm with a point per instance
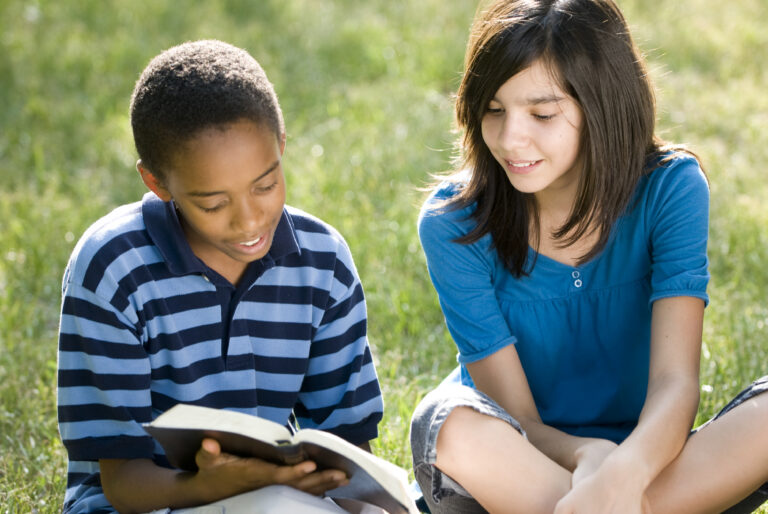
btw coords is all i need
(139, 485)
(340, 392)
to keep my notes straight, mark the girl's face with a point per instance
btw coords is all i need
(532, 128)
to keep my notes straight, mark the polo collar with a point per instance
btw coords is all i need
(164, 228)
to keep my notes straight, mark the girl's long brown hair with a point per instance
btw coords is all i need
(587, 46)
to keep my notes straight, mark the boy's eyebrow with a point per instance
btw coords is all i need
(203, 194)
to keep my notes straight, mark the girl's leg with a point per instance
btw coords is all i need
(468, 449)
(721, 464)
(497, 465)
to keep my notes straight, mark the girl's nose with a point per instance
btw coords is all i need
(514, 133)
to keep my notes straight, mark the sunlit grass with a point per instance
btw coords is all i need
(366, 92)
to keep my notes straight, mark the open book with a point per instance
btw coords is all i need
(181, 429)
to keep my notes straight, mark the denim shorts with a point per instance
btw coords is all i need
(443, 494)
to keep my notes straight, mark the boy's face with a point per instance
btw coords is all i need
(229, 188)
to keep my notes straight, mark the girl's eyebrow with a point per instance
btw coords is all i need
(538, 100)
(203, 194)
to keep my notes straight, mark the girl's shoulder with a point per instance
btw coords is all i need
(443, 194)
(447, 188)
(443, 212)
(671, 173)
(675, 164)
(675, 184)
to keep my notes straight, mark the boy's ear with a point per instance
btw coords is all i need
(282, 143)
(152, 182)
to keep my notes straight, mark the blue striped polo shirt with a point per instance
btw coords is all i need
(145, 325)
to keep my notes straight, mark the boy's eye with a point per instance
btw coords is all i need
(211, 209)
(265, 189)
(494, 110)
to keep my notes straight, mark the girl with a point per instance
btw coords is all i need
(570, 262)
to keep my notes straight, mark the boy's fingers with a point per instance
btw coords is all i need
(212, 446)
(209, 451)
(318, 483)
(286, 474)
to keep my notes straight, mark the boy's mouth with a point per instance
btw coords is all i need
(253, 242)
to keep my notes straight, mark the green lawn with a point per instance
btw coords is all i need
(366, 92)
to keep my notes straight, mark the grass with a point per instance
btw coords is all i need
(366, 92)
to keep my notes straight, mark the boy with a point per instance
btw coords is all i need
(209, 291)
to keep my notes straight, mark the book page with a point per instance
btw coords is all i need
(370, 476)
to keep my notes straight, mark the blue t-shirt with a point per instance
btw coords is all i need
(582, 333)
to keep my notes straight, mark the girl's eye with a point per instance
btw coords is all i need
(543, 117)
(494, 110)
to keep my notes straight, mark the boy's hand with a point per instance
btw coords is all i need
(225, 473)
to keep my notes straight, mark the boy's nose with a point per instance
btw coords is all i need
(248, 218)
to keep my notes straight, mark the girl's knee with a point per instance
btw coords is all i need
(466, 431)
(452, 440)
(756, 408)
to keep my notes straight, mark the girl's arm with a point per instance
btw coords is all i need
(501, 376)
(665, 421)
(673, 387)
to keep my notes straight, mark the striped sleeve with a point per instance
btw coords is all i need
(340, 392)
(103, 380)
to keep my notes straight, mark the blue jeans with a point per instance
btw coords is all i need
(443, 494)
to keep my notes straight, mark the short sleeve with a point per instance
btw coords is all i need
(463, 278)
(103, 380)
(340, 392)
(677, 218)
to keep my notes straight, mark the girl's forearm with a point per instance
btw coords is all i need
(563, 448)
(662, 428)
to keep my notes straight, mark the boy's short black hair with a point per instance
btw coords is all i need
(192, 87)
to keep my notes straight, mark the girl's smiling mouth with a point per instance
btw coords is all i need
(522, 167)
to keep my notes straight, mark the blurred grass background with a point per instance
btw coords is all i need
(366, 92)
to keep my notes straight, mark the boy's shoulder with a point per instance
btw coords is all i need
(312, 233)
(106, 239)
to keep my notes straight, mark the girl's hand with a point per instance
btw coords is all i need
(610, 489)
(589, 457)
(225, 475)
